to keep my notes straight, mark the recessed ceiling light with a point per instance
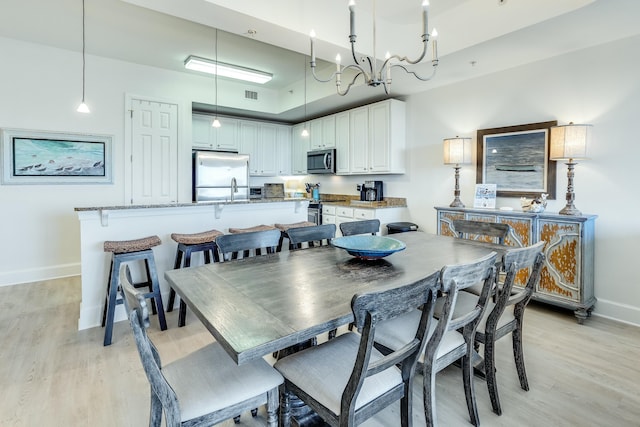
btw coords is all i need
(232, 71)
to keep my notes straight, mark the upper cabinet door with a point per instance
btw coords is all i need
(299, 148)
(201, 131)
(359, 140)
(342, 142)
(226, 136)
(205, 136)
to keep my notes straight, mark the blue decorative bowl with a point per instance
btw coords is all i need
(368, 246)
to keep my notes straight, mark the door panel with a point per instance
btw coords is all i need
(154, 152)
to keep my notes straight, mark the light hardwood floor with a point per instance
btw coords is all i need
(54, 375)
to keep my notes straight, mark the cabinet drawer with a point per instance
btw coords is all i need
(363, 214)
(328, 219)
(328, 210)
(343, 211)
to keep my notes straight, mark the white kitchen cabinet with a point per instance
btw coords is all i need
(377, 138)
(322, 133)
(359, 140)
(205, 136)
(283, 149)
(299, 148)
(342, 142)
(337, 214)
(259, 141)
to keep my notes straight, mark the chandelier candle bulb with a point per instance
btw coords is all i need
(352, 18)
(425, 5)
(338, 60)
(434, 44)
(312, 35)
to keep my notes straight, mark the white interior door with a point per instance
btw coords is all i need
(154, 152)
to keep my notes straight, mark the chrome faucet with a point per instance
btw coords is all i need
(234, 187)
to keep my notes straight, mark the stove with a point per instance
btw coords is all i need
(314, 211)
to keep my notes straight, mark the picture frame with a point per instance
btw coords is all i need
(42, 157)
(516, 159)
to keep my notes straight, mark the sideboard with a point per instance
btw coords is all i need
(567, 276)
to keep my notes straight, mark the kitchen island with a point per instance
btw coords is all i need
(98, 224)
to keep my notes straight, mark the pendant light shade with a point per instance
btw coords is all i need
(83, 108)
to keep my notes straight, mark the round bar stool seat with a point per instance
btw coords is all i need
(204, 242)
(124, 251)
(261, 227)
(285, 227)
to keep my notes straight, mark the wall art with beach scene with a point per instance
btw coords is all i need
(516, 159)
(38, 157)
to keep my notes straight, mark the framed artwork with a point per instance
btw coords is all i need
(37, 157)
(516, 160)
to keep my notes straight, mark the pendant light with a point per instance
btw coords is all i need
(216, 122)
(83, 108)
(305, 132)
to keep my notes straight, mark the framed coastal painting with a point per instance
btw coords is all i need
(37, 157)
(516, 159)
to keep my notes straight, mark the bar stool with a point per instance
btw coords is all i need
(261, 227)
(187, 244)
(127, 251)
(285, 227)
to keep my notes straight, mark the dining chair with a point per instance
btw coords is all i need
(451, 337)
(204, 387)
(315, 235)
(346, 380)
(497, 232)
(367, 226)
(231, 245)
(506, 315)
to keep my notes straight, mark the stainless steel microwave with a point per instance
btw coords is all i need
(321, 161)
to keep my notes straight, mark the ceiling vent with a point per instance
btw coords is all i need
(250, 94)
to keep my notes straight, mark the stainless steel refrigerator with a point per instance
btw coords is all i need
(220, 176)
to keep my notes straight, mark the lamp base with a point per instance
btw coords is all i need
(457, 203)
(570, 210)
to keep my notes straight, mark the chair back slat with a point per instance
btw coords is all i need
(316, 235)
(231, 245)
(136, 306)
(453, 279)
(371, 308)
(368, 226)
(515, 260)
(481, 228)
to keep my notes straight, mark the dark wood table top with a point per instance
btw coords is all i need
(259, 305)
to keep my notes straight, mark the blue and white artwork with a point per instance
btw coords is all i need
(53, 157)
(516, 161)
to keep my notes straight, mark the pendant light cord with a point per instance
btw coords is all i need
(83, 51)
(216, 73)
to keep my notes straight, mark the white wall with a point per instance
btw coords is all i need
(41, 89)
(599, 86)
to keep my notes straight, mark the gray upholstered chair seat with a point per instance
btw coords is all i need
(208, 380)
(392, 333)
(324, 370)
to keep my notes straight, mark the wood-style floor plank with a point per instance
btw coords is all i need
(54, 375)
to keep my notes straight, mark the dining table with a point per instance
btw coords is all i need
(259, 305)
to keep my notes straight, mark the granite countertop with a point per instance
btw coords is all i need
(192, 204)
(354, 201)
(334, 199)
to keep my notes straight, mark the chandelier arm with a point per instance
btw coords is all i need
(424, 79)
(360, 73)
(331, 77)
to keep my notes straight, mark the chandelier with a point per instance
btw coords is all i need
(372, 75)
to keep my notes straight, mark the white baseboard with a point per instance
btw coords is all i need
(31, 275)
(616, 311)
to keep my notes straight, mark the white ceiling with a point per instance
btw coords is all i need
(491, 34)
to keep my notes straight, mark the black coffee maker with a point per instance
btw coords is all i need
(371, 191)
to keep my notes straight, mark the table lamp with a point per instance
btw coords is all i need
(569, 142)
(457, 151)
